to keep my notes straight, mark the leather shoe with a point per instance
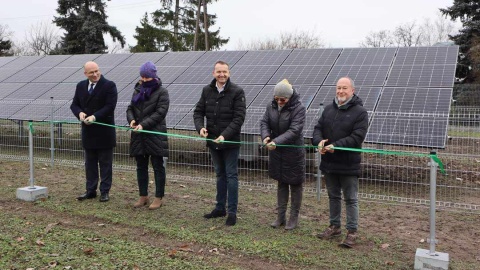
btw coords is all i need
(104, 197)
(87, 195)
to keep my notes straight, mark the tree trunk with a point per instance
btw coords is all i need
(175, 20)
(197, 27)
(205, 24)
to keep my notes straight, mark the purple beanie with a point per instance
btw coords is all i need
(148, 70)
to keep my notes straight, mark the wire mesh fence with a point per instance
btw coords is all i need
(402, 179)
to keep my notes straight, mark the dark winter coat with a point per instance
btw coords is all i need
(151, 114)
(225, 113)
(343, 127)
(286, 164)
(101, 103)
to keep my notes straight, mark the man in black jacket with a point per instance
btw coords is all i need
(343, 123)
(222, 103)
(95, 100)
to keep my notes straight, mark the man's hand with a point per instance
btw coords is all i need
(322, 149)
(271, 146)
(203, 133)
(266, 140)
(219, 139)
(89, 120)
(138, 127)
(133, 124)
(82, 116)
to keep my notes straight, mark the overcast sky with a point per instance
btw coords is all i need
(341, 23)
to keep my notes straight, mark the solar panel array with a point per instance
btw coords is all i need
(406, 91)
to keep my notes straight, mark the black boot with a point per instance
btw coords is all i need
(282, 201)
(297, 194)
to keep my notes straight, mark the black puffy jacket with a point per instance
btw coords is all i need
(343, 127)
(151, 115)
(286, 164)
(225, 113)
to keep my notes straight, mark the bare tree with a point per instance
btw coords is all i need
(288, 40)
(205, 24)
(437, 30)
(116, 47)
(42, 38)
(408, 35)
(382, 38)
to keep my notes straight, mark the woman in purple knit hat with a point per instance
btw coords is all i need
(147, 111)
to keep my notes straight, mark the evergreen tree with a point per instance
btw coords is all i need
(175, 29)
(5, 46)
(468, 11)
(84, 22)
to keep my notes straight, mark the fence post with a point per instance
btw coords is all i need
(52, 135)
(433, 202)
(319, 159)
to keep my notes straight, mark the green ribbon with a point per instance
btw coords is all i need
(30, 126)
(433, 156)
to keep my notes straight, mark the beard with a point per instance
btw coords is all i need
(341, 100)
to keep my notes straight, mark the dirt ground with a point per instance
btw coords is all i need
(381, 224)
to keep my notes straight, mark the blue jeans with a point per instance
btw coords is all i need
(158, 174)
(225, 162)
(348, 184)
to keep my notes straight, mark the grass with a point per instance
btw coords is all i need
(60, 231)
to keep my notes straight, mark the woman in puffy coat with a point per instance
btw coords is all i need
(282, 124)
(147, 111)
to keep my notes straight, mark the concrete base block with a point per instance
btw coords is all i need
(425, 261)
(31, 194)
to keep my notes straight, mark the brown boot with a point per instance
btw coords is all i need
(157, 202)
(142, 201)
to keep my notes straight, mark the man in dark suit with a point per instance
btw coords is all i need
(95, 100)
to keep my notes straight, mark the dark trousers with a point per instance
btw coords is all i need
(158, 173)
(95, 158)
(225, 162)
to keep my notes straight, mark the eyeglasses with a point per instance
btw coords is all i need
(277, 99)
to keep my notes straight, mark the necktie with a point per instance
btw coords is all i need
(91, 88)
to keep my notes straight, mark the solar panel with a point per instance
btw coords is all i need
(369, 96)
(252, 74)
(196, 74)
(78, 60)
(26, 75)
(50, 61)
(123, 74)
(138, 59)
(263, 57)
(9, 107)
(38, 110)
(180, 117)
(8, 88)
(6, 60)
(80, 76)
(411, 85)
(407, 56)
(56, 74)
(64, 113)
(209, 58)
(23, 62)
(251, 91)
(31, 91)
(111, 60)
(169, 74)
(297, 75)
(121, 113)
(415, 100)
(312, 57)
(367, 75)
(367, 56)
(175, 59)
(417, 130)
(422, 76)
(61, 91)
(184, 94)
(251, 125)
(311, 119)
